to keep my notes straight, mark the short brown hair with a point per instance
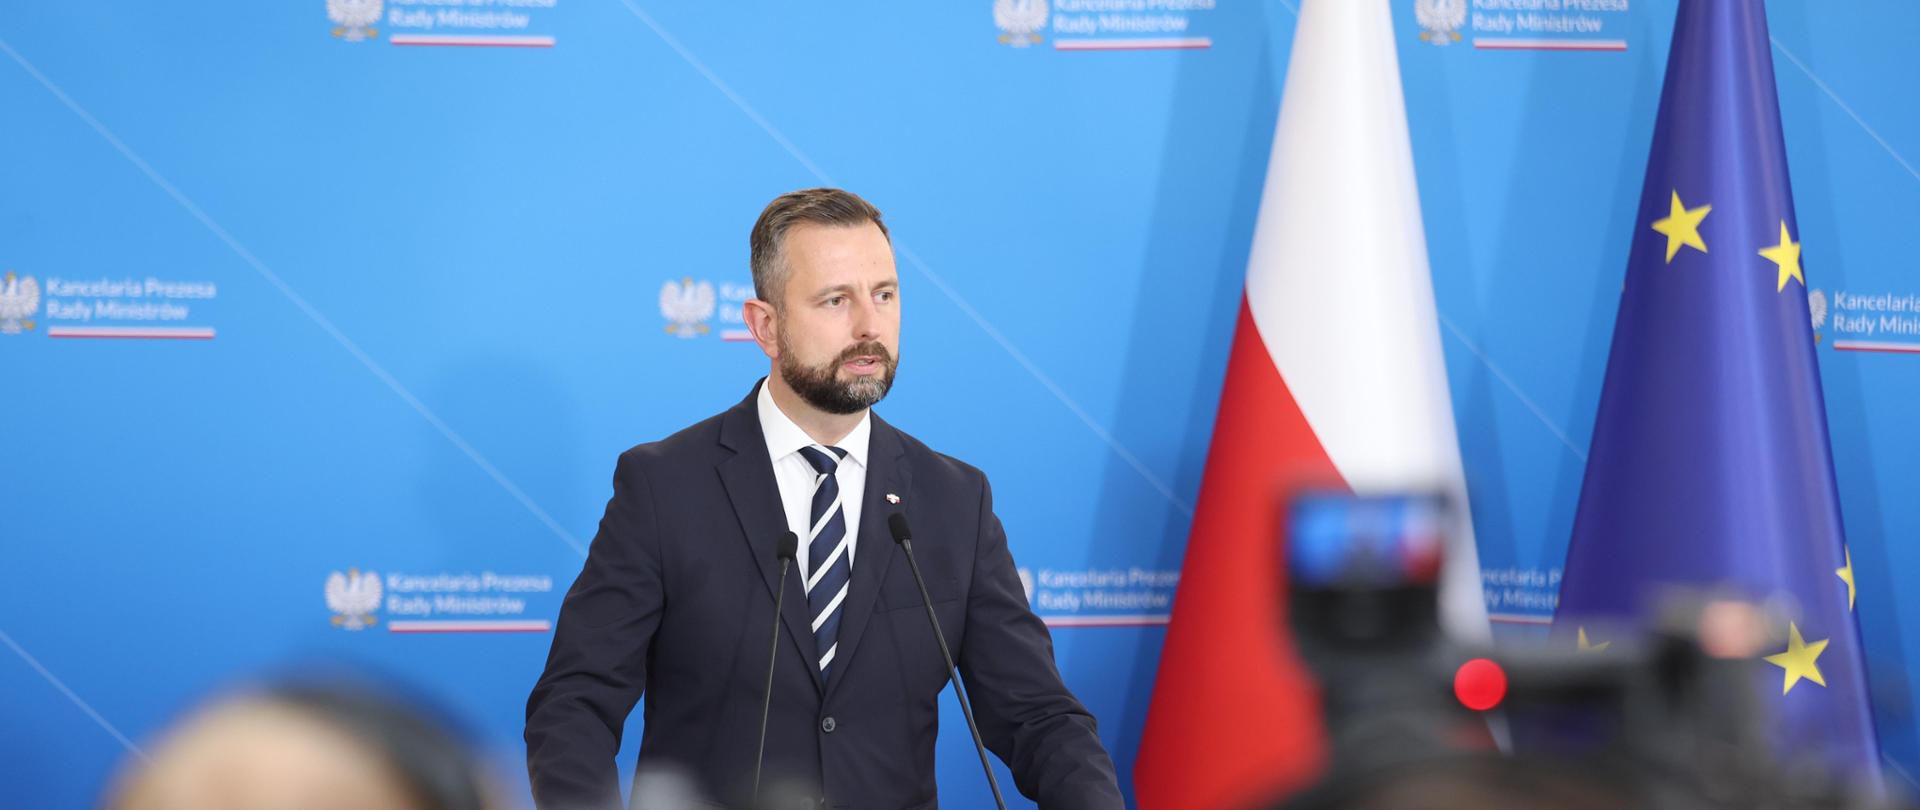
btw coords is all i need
(821, 206)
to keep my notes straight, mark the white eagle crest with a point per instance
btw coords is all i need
(1020, 21)
(1441, 19)
(354, 18)
(1816, 306)
(353, 597)
(19, 299)
(686, 306)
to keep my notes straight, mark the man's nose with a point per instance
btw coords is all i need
(866, 320)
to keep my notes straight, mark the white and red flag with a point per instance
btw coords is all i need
(1335, 375)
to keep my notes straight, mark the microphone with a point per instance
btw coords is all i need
(788, 546)
(897, 525)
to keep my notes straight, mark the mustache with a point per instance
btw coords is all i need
(871, 348)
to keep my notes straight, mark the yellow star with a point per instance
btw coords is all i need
(1846, 575)
(1800, 659)
(1682, 227)
(1586, 646)
(1787, 255)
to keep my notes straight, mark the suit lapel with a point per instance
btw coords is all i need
(887, 472)
(755, 495)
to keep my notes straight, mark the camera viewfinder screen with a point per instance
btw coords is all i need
(1337, 539)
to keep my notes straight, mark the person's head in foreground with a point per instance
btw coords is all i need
(304, 748)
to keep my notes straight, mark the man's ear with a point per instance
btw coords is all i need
(763, 321)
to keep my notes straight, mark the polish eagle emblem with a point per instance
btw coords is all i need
(1817, 309)
(19, 300)
(1441, 19)
(353, 19)
(353, 597)
(686, 305)
(1020, 21)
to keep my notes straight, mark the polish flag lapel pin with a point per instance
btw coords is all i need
(893, 499)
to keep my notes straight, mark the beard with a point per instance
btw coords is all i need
(822, 387)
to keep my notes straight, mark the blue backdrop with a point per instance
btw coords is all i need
(376, 288)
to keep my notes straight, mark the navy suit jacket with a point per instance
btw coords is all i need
(676, 602)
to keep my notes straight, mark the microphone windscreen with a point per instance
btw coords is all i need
(789, 546)
(897, 524)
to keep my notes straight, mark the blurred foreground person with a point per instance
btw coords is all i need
(305, 748)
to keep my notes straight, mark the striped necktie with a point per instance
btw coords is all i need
(829, 560)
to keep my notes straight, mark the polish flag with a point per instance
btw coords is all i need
(1335, 376)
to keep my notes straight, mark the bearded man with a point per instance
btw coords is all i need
(676, 599)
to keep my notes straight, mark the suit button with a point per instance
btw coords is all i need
(827, 725)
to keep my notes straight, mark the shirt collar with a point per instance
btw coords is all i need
(785, 438)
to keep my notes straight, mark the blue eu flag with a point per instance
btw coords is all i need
(1710, 464)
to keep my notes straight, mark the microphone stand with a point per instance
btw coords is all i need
(897, 522)
(789, 545)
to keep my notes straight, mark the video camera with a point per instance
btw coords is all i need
(1663, 717)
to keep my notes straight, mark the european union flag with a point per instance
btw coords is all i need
(1710, 464)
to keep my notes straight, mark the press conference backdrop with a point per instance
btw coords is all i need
(322, 322)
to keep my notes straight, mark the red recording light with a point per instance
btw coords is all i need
(1480, 684)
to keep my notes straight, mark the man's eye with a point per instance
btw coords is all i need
(836, 300)
(886, 295)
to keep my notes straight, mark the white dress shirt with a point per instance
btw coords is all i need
(795, 475)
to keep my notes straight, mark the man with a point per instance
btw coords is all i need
(677, 597)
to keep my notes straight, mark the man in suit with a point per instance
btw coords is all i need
(676, 599)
